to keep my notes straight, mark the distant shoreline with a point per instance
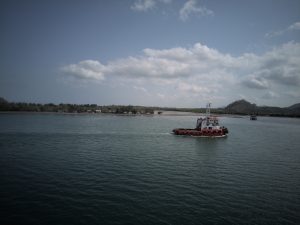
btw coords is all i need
(167, 113)
(236, 109)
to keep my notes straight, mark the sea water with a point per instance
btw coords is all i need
(106, 169)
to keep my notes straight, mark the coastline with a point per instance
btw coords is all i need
(164, 113)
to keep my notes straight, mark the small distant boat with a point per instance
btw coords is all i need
(205, 127)
(253, 117)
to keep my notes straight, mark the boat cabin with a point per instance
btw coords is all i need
(209, 122)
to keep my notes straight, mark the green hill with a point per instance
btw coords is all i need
(241, 107)
(246, 108)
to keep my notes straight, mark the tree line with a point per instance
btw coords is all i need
(72, 108)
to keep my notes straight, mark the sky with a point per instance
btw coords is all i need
(173, 53)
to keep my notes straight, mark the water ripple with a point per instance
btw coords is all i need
(93, 170)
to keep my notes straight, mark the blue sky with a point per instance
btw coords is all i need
(180, 53)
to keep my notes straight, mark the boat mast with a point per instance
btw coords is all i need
(208, 109)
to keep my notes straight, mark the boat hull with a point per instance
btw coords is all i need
(201, 133)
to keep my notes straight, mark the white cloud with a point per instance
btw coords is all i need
(200, 71)
(256, 83)
(293, 27)
(191, 8)
(274, 34)
(280, 65)
(145, 5)
(87, 69)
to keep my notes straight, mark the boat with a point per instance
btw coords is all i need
(205, 127)
(253, 117)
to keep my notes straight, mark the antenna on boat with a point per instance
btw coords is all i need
(208, 109)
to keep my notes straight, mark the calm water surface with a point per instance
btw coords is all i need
(98, 169)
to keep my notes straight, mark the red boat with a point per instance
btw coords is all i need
(205, 127)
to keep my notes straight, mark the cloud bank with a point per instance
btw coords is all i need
(201, 71)
(279, 65)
